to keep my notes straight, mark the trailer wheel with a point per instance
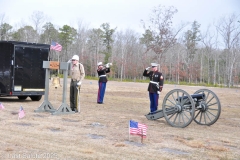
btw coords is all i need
(35, 98)
(22, 97)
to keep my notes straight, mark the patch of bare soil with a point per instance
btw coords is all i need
(100, 131)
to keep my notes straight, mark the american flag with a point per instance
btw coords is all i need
(137, 128)
(1, 106)
(21, 113)
(55, 46)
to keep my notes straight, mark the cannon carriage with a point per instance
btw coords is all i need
(180, 109)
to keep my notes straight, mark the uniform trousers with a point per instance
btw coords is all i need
(101, 91)
(73, 95)
(153, 101)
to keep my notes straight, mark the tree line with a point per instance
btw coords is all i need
(185, 54)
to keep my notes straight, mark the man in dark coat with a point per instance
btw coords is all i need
(155, 85)
(102, 81)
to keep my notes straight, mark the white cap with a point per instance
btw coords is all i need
(99, 63)
(154, 64)
(76, 57)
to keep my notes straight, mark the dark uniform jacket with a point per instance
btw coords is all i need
(102, 74)
(156, 81)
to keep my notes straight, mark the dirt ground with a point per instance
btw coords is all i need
(100, 131)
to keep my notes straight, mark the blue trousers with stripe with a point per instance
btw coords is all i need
(101, 91)
(153, 101)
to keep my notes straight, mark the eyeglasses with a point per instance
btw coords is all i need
(73, 59)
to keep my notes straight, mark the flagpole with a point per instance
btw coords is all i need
(142, 136)
(18, 114)
(58, 62)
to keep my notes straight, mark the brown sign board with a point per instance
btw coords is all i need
(54, 65)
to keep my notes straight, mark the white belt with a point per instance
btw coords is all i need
(154, 82)
(102, 76)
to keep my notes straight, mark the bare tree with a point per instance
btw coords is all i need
(5, 31)
(127, 55)
(5, 28)
(25, 34)
(229, 29)
(211, 53)
(38, 18)
(159, 34)
(174, 60)
(191, 38)
(95, 45)
(2, 19)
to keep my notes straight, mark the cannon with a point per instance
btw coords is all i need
(180, 109)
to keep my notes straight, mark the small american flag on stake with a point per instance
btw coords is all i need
(1, 106)
(136, 128)
(21, 113)
(55, 46)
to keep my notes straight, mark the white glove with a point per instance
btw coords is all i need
(79, 83)
(148, 68)
(69, 61)
(158, 92)
(107, 65)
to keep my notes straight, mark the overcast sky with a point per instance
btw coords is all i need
(123, 14)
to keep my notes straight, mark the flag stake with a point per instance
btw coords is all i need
(129, 131)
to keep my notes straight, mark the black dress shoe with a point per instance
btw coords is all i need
(73, 109)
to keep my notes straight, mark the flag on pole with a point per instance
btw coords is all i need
(137, 128)
(1, 106)
(21, 113)
(55, 46)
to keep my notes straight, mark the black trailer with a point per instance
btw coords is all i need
(21, 69)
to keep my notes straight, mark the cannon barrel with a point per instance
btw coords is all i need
(194, 96)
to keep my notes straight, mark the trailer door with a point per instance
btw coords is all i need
(29, 76)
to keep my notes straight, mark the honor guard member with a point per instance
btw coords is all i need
(102, 81)
(155, 85)
(77, 75)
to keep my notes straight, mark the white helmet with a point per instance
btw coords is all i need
(76, 57)
(99, 63)
(154, 64)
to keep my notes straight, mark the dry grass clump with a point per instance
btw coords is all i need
(120, 145)
(200, 144)
(8, 149)
(216, 148)
(88, 151)
(190, 142)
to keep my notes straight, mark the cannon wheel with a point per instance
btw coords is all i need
(178, 108)
(208, 112)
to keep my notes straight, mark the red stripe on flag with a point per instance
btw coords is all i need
(138, 128)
